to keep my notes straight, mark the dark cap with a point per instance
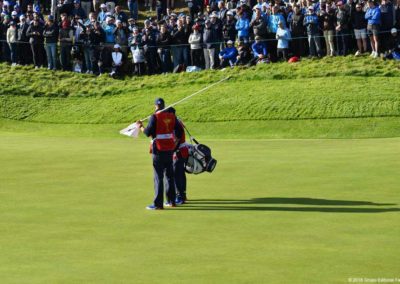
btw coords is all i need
(159, 102)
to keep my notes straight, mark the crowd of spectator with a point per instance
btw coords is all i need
(101, 36)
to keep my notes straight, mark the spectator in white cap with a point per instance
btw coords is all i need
(229, 27)
(109, 28)
(102, 14)
(283, 36)
(14, 16)
(121, 36)
(138, 58)
(117, 61)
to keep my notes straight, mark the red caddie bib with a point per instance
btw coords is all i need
(165, 138)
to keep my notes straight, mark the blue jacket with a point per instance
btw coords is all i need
(273, 21)
(373, 15)
(242, 26)
(311, 22)
(229, 53)
(259, 48)
(109, 31)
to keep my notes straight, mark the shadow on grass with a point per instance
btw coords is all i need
(320, 205)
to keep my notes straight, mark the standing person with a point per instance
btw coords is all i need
(66, 37)
(242, 27)
(259, 24)
(387, 23)
(360, 29)
(5, 48)
(209, 41)
(329, 20)
(138, 58)
(164, 41)
(35, 34)
(179, 39)
(311, 22)
(373, 16)
(163, 128)
(50, 35)
(196, 50)
(149, 39)
(273, 21)
(298, 32)
(180, 157)
(229, 27)
(283, 36)
(12, 42)
(23, 50)
(342, 29)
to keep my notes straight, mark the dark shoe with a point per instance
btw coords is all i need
(180, 201)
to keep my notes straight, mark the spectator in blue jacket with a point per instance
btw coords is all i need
(260, 51)
(109, 29)
(242, 26)
(274, 19)
(373, 16)
(273, 22)
(311, 23)
(228, 56)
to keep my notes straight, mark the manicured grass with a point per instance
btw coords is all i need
(274, 211)
(73, 191)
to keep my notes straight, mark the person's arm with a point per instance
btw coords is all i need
(149, 130)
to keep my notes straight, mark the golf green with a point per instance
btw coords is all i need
(274, 211)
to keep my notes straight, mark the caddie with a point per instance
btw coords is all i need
(163, 128)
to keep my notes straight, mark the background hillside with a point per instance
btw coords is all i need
(356, 94)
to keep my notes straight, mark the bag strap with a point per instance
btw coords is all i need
(192, 139)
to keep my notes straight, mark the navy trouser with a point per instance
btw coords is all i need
(180, 177)
(163, 164)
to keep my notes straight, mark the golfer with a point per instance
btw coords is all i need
(180, 157)
(164, 130)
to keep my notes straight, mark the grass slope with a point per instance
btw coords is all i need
(294, 211)
(255, 99)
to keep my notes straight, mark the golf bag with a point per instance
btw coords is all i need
(199, 159)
